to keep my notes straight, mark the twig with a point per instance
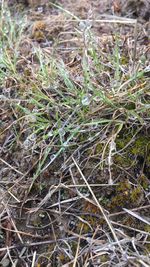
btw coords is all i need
(6, 163)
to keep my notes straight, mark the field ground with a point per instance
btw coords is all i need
(75, 133)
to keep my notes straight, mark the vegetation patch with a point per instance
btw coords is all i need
(74, 133)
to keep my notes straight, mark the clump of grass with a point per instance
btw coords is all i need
(78, 133)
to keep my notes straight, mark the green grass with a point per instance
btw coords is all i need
(73, 122)
(52, 89)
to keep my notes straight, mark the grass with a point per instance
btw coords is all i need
(75, 167)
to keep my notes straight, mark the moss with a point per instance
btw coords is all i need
(83, 137)
(119, 201)
(121, 196)
(99, 148)
(89, 152)
(130, 106)
(89, 207)
(86, 227)
(135, 152)
(147, 246)
(73, 246)
(125, 196)
(124, 60)
(63, 258)
(147, 228)
(139, 146)
(104, 258)
(148, 153)
(122, 161)
(123, 139)
(144, 182)
(123, 186)
(89, 222)
(135, 194)
(130, 221)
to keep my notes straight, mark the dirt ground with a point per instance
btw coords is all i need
(53, 217)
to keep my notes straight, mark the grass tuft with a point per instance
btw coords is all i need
(75, 143)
